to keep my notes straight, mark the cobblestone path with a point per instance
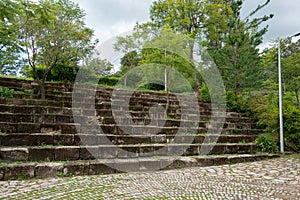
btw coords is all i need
(271, 179)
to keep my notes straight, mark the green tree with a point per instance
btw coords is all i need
(9, 47)
(236, 54)
(130, 46)
(171, 50)
(100, 67)
(55, 33)
(291, 74)
(183, 16)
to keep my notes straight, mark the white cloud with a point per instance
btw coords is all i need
(111, 17)
(286, 21)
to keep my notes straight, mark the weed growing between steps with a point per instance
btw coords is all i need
(6, 92)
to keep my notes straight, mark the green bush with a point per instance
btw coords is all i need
(60, 73)
(182, 89)
(152, 86)
(267, 113)
(231, 100)
(86, 75)
(266, 144)
(6, 93)
(204, 94)
(293, 141)
(110, 81)
(64, 73)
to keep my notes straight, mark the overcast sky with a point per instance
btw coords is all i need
(112, 17)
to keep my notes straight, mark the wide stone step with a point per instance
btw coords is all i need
(38, 110)
(63, 114)
(169, 122)
(155, 130)
(65, 153)
(156, 121)
(97, 167)
(80, 139)
(34, 102)
(70, 128)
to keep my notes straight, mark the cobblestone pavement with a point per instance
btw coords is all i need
(271, 179)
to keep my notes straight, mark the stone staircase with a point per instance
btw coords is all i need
(100, 131)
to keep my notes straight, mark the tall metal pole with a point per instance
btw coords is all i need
(166, 75)
(280, 100)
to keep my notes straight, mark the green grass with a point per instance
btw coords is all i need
(296, 156)
(2, 133)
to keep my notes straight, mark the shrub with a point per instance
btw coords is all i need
(231, 100)
(60, 73)
(267, 113)
(6, 93)
(153, 86)
(110, 81)
(204, 94)
(293, 141)
(266, 143)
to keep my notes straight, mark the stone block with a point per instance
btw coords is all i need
(46, 170)
(191, 150)
(19, 171)
(76, 168)
(67, 153)
(41, 154)
(67, 140)
(101, 167)
(87, 140)
(175, 150)
(218, 149)
(150, 164)
(2, 172)
(126, 165)
(14, 154)
(128, 152)
(69, 129)
(107, 152)
(160, 150)
(235, 159)
(221, 160)
(146, 150)
(158, 139)
(182, 162)
(89, 153)
(204, 161)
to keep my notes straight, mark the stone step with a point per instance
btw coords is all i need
(156, 121)
(34, 102)
(70, 128)
(32, 106)
(48, 110)
(67, 153)
(37, 139)
(28, 170)
(38, 110)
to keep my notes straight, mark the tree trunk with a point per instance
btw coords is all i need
(235, 73)
(196, 81)
(125, 80)
(196, 86)
(42, 89)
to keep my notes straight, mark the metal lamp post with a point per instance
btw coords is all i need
(280, 96)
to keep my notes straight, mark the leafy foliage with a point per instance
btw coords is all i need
(6, 92)
(110, 81)
(9, 46)
(53, 32)
(59, 73)
(266, 144)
